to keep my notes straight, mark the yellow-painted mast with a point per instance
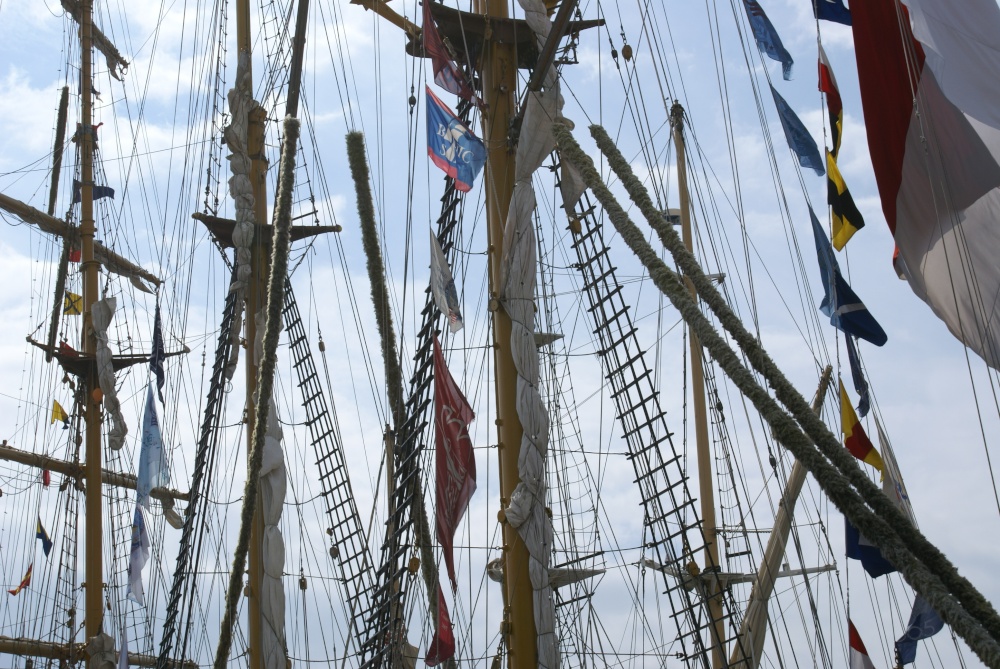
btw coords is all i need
(499, 77)
(94, 570)
(256, 297)
(712, 589)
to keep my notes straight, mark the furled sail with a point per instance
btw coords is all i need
(929, 87)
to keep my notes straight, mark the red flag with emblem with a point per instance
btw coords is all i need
(455, 460)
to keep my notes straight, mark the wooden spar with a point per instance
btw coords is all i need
(55, 226)
(499, 77)
(754, 627)
(57, 148)
(75, 653)
(256, 297)
(713, 589)
(391, 15)
(94, 570)
(75, 471)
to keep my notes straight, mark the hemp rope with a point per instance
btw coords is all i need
(390, 356)
(280, 244)
(837, 487)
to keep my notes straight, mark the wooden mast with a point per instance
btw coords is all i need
(712, 587)
(499, 77)
(94, 569)
(256, 298)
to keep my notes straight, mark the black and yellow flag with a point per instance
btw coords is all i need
(59, 414)
(846, 218)
(72, 304)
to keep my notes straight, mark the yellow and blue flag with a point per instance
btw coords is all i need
(452, 145)
(40, 533)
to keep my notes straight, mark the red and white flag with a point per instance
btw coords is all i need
(455, 459)
(859, 654)
(930, 80)
(446, 73)
(443, 645)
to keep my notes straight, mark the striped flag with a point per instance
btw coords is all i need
(834, 105)
(25, 582)
(859, 654)
(929, 75)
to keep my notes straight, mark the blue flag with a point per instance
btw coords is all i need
(99, 192)
(40, 533)
(138, 555)
(799, 139)
(846, 310)
(158, 355)
(152, 467)
(832, 10)
(860, 548)
(767, 37)
(860, 385)
(451, 145)
(924, 623)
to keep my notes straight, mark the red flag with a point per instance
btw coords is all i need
(456, 462)
(46, 478)
(75, 255)
(859, 654)
(443, 645)
(446, 73)
(25, 582)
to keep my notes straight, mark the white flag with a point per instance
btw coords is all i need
(153, 471)
(123, 655)
(138, 555)
(443, 287)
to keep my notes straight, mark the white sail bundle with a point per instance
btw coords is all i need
(527, 505)
(102, 312)
(241, 104)
(273, 482)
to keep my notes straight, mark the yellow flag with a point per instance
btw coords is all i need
(58, 413)
(72, 304)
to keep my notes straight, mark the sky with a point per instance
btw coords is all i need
(935, 400)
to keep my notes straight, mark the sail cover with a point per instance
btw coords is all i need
(930, 84)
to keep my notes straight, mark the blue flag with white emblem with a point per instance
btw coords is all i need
(832, 10)
(451, 145)
(846, 310)
(799, 139)
(924, 623)
(767, 37)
